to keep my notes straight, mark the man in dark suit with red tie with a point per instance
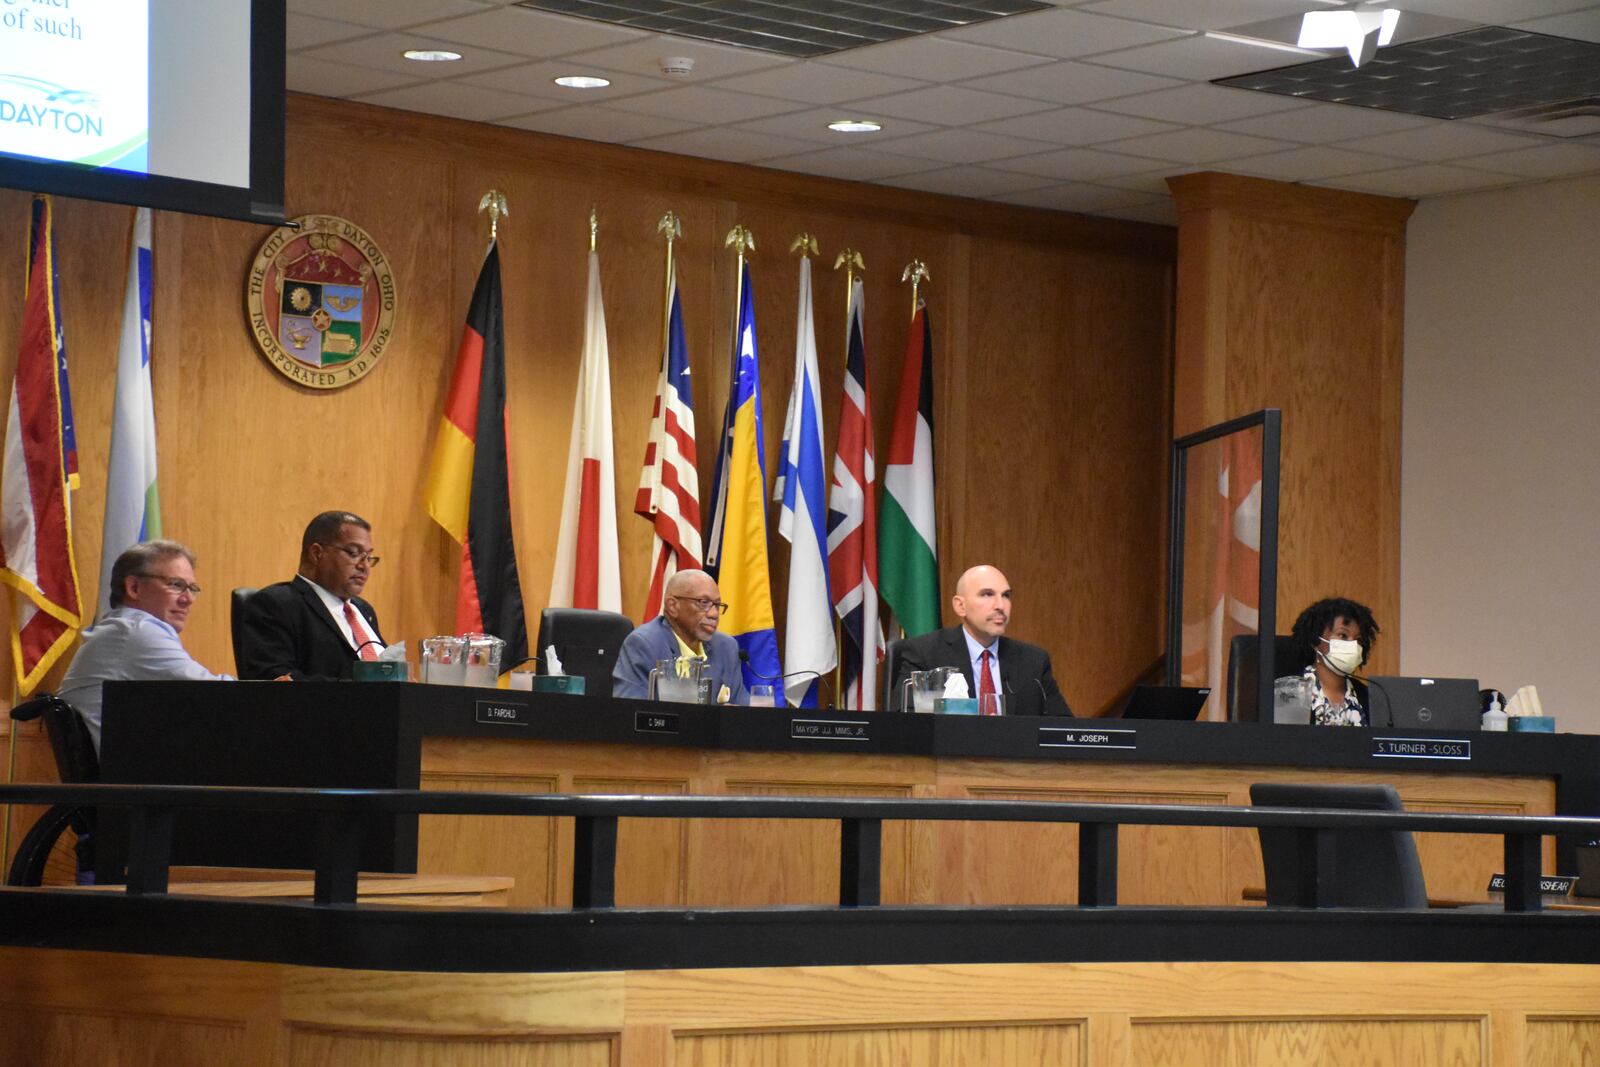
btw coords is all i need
(991, 662)
(315, 626)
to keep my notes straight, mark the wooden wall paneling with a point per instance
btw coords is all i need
(82, 1039)
(318, 1048)
(1288, 1042)
(652, 854)
(1291, 297)
(1557, 1042)
(527, 849)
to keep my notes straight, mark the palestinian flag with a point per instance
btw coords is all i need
(908, 546)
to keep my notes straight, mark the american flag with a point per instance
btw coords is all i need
(669, 485)
(853, 526)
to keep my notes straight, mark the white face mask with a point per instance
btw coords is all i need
(1343, 656)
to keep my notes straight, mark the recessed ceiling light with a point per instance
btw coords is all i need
(1360, 33)
(431, 55)
(855, 126)
(581, 81)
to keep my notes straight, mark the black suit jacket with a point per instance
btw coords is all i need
(286, 629)
(1025, 677)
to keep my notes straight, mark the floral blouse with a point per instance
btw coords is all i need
(1325, 712)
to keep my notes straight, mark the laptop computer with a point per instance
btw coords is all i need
(1424, 703)
(1175, 702)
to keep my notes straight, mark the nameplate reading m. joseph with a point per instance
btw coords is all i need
(1073, 737)
(321, 301)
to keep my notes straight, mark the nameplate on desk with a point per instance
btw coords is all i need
(829, 730)
(655, 722)
(1077, 737)
(1421, 748)
(1556, 885)
(503, 713)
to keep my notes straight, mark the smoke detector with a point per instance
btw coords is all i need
(677, 66)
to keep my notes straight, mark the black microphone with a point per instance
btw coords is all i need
(1388, 704)
(779, 679)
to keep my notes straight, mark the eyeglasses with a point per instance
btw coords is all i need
(175, 586)
(353, 553)
(704, 603)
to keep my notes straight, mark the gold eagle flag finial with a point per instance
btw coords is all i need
(916, 273)
(805, 245)
(740, 239)
(494, 202)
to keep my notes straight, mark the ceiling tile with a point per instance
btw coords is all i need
(597, 124)
(1077, 164)
(456, 100)
(1580, 25)
(538, 79)
(1442, 141)
(961, 146)
(1495, 12)
(388, 14)
(704, 105)
(1199, 14)
(1311, 164)
(949, 105)
(1200, 104)
(532, 33)
(1198, 58)
(965, 181)
(1162, 212)
(1063, 33)
(1426, 179)
(725, 143)
(1197, 145)
(813, 83)
(851, 164)
(1322, 123)
(1075, 126)
(1547, 161)
(812, 125)
(710, 60)
(383, 52)
(1077, 196)
(1072, 83)
(304, 31)
(933, 58)
(321, 78)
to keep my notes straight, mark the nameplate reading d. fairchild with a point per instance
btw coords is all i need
(1075, 737)
(502, 713)
(828, 730)
(1427, 748)
(655, 722)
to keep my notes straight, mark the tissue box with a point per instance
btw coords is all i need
(380, 670)
(558, 683)
(1531, 724)
(955, 705)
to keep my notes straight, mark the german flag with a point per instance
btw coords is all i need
(469, 483)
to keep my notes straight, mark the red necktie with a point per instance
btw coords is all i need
(359, 633)
(986, 701)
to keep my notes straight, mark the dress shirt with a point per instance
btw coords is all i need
(335, 608)
(974, 652)
(126, 645)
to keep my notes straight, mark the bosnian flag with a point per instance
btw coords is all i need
(586, 573)
(853, 524)
(669, 484)
(35, 481)
(808, 643)
(908, 541)
(133, 505)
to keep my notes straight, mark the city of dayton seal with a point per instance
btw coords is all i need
(321, 301)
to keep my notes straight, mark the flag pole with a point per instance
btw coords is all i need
(851, 261)
(914, 273)
(743, 242)
(672, 226)
(11, 773)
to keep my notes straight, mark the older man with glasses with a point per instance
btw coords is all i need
(152, 590)
(315, 626)
(685, 629)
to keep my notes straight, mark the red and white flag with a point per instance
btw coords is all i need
(669, 484)
(586, 573)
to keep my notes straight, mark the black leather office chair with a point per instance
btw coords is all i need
(587, 642)
(1371, 868)
(891, 665)
(1243, 656)
(76, 761)
(236, 606)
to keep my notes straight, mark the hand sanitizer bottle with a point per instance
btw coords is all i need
(1495, 717)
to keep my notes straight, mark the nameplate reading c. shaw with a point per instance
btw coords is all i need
(1087, 737)
(829, 730)
(502, 713)
(655, 722)
(1424, 748)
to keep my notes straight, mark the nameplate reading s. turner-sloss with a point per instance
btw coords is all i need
(828, 730)
(1087, 737)
(502, 713)
(1426, 748)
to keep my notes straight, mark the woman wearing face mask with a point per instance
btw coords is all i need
(1333, 637)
